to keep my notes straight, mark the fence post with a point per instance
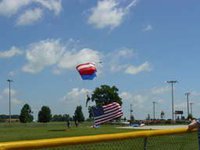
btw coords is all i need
(145, 143)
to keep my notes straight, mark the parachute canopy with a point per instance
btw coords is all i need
(87, 71)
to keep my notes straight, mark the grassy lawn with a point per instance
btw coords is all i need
(17, 132)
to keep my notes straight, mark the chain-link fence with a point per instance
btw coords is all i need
(176, 139)
(187, 141)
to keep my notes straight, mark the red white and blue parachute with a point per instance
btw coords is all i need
(87, 71)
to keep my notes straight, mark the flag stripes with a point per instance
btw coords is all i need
(87, 70)
(86, 65)
(107, 113)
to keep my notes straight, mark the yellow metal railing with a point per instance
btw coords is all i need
(57, 142)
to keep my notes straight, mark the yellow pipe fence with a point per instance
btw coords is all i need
(57, 142)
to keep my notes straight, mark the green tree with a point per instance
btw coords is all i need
(60, 117)
(26, 114)
(90, 112)
(190, 116)
(132, 119)
(44, 114)
(105, 94)
(148, 117)
(78, 114)
(162, 115)
(57, 117)
(66, 117)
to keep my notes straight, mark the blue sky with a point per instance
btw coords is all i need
(141, 45)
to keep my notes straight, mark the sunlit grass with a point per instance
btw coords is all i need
(18, 131)
(30, 131)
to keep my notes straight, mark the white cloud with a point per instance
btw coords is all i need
(51, 52)
(125, 53)
(30, 16)
(160, 90)
(147, 28)
(119, 61)
(180, 106)
(43, 54)
(73, 58)
(11, 7)
(108, 13)
(137, 69)
(74, 98)
(117, 68)
(11, 53)
(52, 5)
(14, 99)
(75, 95)
(29, 11)
(136, 98)
(12, 73)
(140, 103)
(6, 92)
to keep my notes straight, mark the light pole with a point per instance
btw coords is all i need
(191, 108)
(154, 116)
(131, 111)
(188, 110)
(172, 85)
(9, 88)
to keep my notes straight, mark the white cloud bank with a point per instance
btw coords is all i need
(137, 69)
(74, 98)
(52, 52)
(109, 13)
(120, 62)
(28, 12)
(52, 5)
(14, 100)
(11, 7)
(43, 54)
(30, 16)
(63, 56)
(13, 51)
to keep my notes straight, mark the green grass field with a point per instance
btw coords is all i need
(29, 131)
(17, 132)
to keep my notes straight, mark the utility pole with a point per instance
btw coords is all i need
(187, 95)
(131, 111)
(172, 85)
(154, 116)
(191, 107)
(9, 96)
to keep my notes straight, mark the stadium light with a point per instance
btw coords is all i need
(172, 82)
(9, 96)
(154, 110)
(187, 95)
(191, 107)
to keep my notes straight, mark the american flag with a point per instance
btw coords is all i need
(107, 113)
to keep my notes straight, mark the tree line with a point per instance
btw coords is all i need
(44, 115)
(101, 96)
